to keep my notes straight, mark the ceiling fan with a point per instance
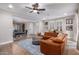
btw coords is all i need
(35, 8)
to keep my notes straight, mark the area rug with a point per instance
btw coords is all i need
(27, 44)
(71, 44)
(35, 49)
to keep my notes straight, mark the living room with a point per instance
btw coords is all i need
(34, 28)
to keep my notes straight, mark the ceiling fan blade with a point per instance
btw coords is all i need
(41, 9)
(28, 7)
(30, 11)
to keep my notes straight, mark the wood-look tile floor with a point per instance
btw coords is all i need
(14, 49)
(71, 51)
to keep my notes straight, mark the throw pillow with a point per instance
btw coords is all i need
(60, 36)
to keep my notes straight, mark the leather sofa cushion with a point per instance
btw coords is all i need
(52, 38)
(58, 40)
(46, 37)
(51, 34)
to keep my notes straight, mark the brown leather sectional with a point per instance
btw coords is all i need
(52, 44)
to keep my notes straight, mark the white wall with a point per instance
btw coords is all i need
(29, 27)
(6, 28)
(78, 31)
(75, 30)
(15, 26)
(57, 23)
(41, 26)
(38, 27)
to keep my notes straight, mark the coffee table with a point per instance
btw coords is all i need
(36, 40)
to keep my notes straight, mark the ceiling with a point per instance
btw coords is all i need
(53, 10)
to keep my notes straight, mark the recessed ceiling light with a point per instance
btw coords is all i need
(65, 14)
(10, 6)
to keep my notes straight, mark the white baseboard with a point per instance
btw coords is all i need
(6, 42)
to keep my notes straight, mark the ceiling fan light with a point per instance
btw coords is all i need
(35, 11)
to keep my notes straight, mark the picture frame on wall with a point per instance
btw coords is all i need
(72, 21)
(69, 28)
(69, 21)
